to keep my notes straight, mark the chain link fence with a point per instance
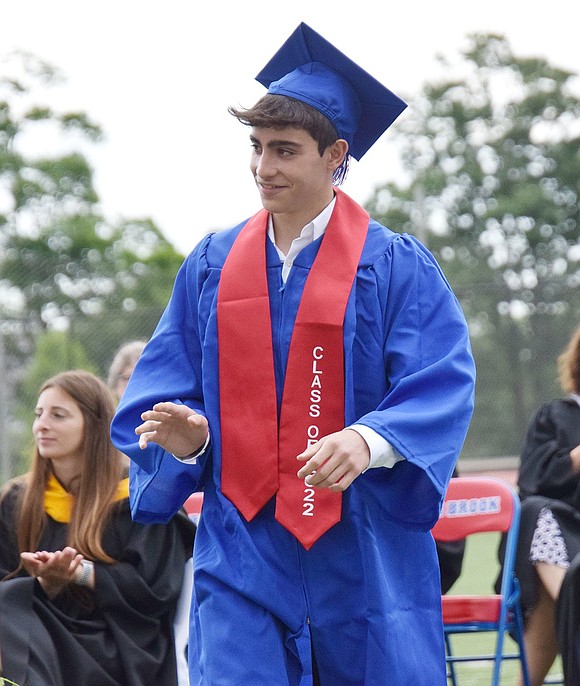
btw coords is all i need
(516, 371)
(29, 354)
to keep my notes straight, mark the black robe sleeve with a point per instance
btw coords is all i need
(121, 633)
(546, 479)
(142, 588)
(9, 558)
(545, 466)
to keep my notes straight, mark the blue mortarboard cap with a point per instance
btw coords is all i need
(309, 68)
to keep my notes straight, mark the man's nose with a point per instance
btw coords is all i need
(265, 167)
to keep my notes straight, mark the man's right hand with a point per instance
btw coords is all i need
(176, 428)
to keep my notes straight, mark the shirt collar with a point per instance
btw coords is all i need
(311, 232)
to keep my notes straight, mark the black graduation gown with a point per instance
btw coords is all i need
(545, 466)
(546, 479)
(119, 635)
(568, 623)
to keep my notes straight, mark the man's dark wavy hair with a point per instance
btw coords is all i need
(280, 111)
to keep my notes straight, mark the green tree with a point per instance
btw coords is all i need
(64, 266)
(492, 185)
(62, 261)
(60, 256)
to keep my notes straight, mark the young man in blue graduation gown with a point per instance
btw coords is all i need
(311, 374)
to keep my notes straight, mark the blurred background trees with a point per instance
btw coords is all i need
(491, 184)
(74, 285)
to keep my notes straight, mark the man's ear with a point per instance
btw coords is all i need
(337, 151)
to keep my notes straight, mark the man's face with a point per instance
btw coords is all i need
(290, 173)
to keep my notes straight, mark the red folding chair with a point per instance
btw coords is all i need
(475, 505)
(193, 506)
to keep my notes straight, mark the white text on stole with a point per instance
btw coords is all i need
(313, 430)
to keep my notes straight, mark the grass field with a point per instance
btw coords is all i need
(480, 570)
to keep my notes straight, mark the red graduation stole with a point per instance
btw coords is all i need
(258, 459)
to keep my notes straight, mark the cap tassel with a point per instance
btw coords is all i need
(340, 172)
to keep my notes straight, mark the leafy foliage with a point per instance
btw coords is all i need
(61, 258)
(492, 162)
(74, 285)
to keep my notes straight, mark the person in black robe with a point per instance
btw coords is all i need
(549, 540)
(568, 623)
(87, 596)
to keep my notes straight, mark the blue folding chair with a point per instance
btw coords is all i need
(475, 505)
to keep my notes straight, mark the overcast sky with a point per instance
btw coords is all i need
(158, 77)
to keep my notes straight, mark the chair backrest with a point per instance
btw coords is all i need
(475, 504)
(478, 504)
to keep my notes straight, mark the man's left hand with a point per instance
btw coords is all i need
(335, 461)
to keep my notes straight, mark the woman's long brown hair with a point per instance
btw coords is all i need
(569, 365)
(100, 474)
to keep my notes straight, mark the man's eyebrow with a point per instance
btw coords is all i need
(277, 143)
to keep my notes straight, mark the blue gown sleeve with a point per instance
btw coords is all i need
(430, 381)
(169, 369)
(545, 465)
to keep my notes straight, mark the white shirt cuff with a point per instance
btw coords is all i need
(382, 452)
(192, 458)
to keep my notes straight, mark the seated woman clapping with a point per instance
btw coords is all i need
(87, 596)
